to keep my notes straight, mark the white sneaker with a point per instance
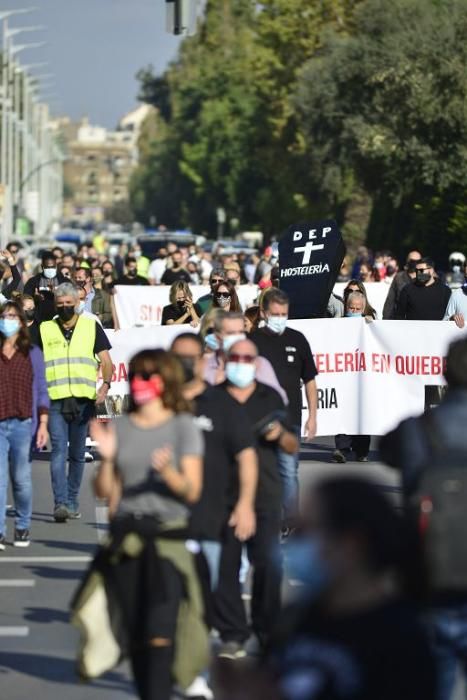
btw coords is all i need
(199, 689)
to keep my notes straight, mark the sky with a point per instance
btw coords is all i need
(95, 48)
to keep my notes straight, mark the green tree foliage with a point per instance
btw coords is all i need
(227, 131)
(385, 109)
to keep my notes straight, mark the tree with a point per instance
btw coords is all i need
(385, 109)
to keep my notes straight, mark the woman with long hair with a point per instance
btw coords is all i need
(24, 408)
(152, 468)
(225, 297)
(181, 308)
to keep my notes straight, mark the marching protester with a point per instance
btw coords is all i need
(29, 308)
(229, 450)
(359, 444)
(252, 318)
(401, 280)
(152, 458)
(42, 287)
(228, 328)
(130, 276)
(24, 408)
(431, 453)
(225, 297)
(354, 631)
(426, 298)
(71, 344)
(455, 276)
(176, 273)
(181, 308)
(290, 355)
(356, 286)
(97, 301)
(206, 301)
(265, 411)
(7, 289)
(457, 307)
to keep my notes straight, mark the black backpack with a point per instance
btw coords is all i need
(440, 503)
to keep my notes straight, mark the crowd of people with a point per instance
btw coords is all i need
(201, 475)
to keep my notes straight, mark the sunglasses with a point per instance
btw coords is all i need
(217, 281)
(142, 375)
(223, 295)
(247, 359)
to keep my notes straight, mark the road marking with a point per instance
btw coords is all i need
(17, 582)
(46, 560)
(14, 631)
(102, 522)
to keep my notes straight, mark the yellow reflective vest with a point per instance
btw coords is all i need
(70, 367)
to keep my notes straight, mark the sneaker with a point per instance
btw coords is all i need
(199, 689)
(339, 457)
(2, 543)
(61, 514)
(232, 651)
(22, 538)
(362, 458)
(74, 514)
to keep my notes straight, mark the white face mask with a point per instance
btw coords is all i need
(230, 340)
(277, 324)
(80, 307)
(50, 272)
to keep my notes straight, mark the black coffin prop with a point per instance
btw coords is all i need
(310, 257)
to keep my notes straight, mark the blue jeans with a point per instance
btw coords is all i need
(288, 470)
(68, 442)
(15, 457)
(448, 627)
(212, 553)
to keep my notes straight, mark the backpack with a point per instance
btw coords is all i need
(440, 503)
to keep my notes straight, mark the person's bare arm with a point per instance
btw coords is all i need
(107, 371)
(243, 517)
(186, 483)
(311, 392)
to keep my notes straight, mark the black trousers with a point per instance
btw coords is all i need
(230, 614)
(360, 444)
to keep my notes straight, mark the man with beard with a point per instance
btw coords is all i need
(426, 299)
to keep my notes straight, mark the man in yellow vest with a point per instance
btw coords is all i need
(73, 346)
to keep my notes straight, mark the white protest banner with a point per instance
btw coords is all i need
(142, 306)
(371, 375)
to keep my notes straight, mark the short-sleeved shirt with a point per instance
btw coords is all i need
(264, 401)
(457, 303)
(291, 357)
(227, 432)
(144, 491)
(173, 313)
(179, 275)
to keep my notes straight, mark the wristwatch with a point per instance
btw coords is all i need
(109, 384)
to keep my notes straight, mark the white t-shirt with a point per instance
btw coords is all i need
(457, 304)
(157, 269)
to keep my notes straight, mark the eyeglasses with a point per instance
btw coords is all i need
(10, 316)
(217, 281)
(247, 359)
(223, 295)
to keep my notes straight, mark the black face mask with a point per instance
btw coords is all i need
(30, 314)
(176, 265)
(390, 270)
(131, 273)
(181, 305)
(80, 283)
(188, 364)
(65, 313)
(422, 277)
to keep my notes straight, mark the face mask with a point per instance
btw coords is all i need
(304, 563)
(230, 340)
(456, 268)
(277, 324)
(240, 374)
(50, 272)
(65, 313)
(80, 283)
(422, 277)
(96, 280)
(223, 301)
(352, 314)
(176, 265)
(80, 308)
(188, 364)
(212, 341)
(131, 273)
(137, 254)
(9, 326)
(145, 390)
(390, 270)
(30, 314)
(181, 305)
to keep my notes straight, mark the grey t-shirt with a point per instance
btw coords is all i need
(144, 491)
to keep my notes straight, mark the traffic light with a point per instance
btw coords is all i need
(181, 16)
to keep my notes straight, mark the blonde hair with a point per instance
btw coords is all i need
(179, 286)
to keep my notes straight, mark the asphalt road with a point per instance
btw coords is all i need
(37, 643)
